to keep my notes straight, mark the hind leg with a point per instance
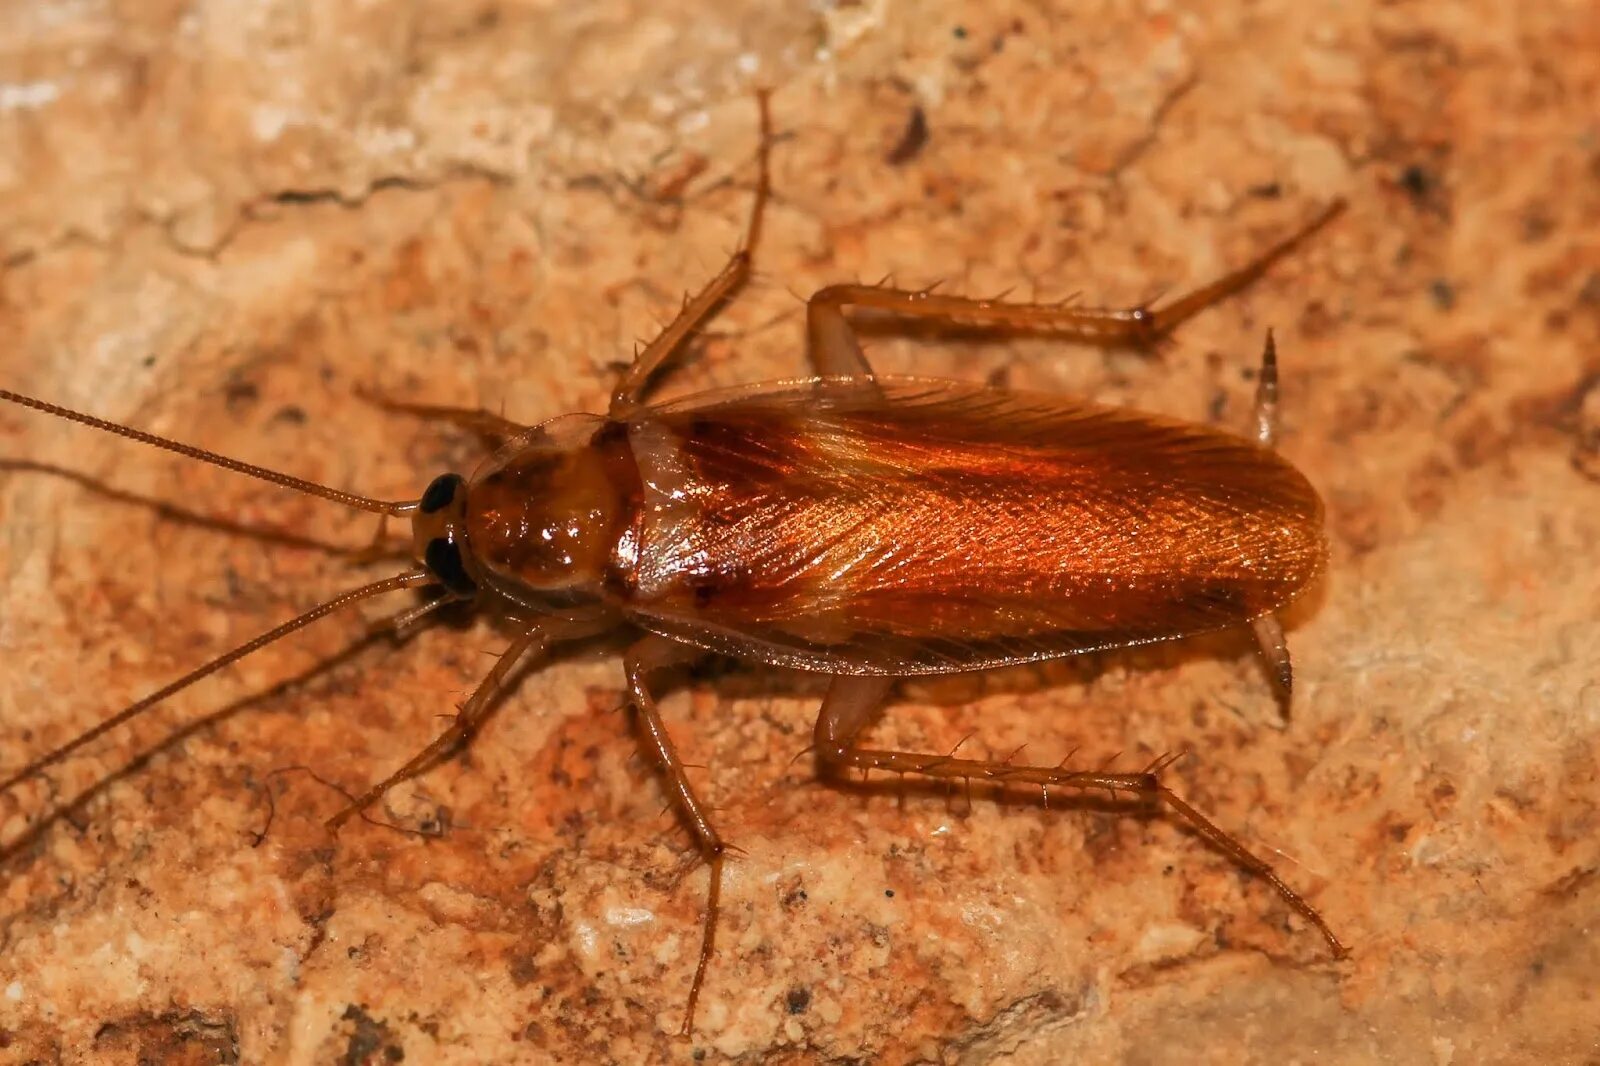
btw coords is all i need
(836, 352)
(852, 701)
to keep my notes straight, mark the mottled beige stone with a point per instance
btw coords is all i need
(221, 220)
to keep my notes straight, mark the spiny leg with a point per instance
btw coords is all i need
(646, 657)
(851, 700)
(1274, 647)
(466, 723)
(494, 429)
(697, 309)
(1267, 628)
(836, 352)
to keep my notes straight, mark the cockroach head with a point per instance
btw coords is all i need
(438, 534)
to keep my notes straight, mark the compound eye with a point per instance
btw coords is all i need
(443, 559)
(440, 493)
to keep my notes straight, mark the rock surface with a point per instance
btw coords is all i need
(222, 221)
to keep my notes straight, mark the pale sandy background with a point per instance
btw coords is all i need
(219, 219)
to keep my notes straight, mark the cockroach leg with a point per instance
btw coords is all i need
(836, 352)
(650, 654)
(1159, 323)
(467, 721)
(833, 346)
(851, 700)
(1275, 649)
(700, 307)
(401, 621)
(492, 428)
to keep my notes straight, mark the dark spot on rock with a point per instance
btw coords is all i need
(912, 139)
(239, 394)
(369, 1038)
(177, 1037)
(1443, 294)
(1537, 225)
(522, 970)
(1218, 406)
(1589, 295)
(1418, 183)
(798, 1001)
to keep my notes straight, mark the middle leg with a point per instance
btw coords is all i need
(650, 654)
(851, 702)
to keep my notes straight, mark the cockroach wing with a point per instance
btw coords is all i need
(905, 526)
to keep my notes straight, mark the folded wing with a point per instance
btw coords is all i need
(905, 526)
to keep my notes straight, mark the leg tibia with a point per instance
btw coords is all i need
(466, 723)
(851, 701)
(697, 310)
(644, 658)
(835, 351)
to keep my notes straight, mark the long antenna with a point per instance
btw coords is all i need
(322, 610)
(396, 508)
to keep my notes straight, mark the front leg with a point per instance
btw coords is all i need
(465, 724)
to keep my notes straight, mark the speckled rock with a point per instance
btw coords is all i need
(222, 222)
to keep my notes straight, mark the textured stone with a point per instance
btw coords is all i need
(221, 221)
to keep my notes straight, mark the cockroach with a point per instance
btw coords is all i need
(855, 525)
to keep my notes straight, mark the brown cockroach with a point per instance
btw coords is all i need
(854, 525)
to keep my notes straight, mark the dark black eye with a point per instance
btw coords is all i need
(440, 492)
(444, 559)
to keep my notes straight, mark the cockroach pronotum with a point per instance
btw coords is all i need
(859, 526)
